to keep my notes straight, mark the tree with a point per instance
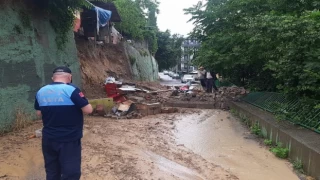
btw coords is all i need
(169, 50)
(137, 24)
(263, 45)
(133, 19)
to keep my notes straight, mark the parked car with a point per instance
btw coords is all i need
(195, 75)
(165, 72)
(187, 78)
(171, 74)
(175, 76)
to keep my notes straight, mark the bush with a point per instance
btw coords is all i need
(255, 129)
(297, 165)
(132, 60)
(267, 142)
(280, 152)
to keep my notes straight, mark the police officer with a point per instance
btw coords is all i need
(62, 106)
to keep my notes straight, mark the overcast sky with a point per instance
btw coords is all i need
(172, 16)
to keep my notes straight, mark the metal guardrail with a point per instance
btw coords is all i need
(298, 111)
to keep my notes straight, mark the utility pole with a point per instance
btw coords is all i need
(188, 58)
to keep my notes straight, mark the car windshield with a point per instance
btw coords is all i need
(188, 76)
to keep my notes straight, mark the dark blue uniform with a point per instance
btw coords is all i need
(60, 105)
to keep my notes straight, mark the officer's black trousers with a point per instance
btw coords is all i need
(62, 159)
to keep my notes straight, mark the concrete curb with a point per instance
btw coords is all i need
(303, 144)
(197, 105)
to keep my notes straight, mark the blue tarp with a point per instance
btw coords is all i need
(103, 16)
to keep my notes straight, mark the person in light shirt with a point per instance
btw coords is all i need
(211, 78)
(202, 77)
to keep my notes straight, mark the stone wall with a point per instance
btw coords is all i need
(28, 54)
(144, 66)
(302, 143)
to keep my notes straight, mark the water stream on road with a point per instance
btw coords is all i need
(222, 140)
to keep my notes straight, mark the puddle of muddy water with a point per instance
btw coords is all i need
(220, 139)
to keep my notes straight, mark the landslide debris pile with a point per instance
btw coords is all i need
(149, 98)
(219, 98)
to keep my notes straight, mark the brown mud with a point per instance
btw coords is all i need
(190, 145)
(115, 149)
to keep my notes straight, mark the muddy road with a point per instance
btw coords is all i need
(190, 145)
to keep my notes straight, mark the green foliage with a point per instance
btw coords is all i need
(234, 112)
(150, 37)
(133, 19)
(169, 50)
(263, 45)
(279, 151)
(245, 120)
(143, 52)
(17, 29)
(134, 23)
(133, 60)
(298, 166)
(255, 129)
(267, 142)
(60, 13)
(25, 19)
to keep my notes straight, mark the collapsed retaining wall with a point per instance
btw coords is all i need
(302, 143)
(125, 61)
(28, 54)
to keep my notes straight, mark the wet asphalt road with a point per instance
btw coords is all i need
(168, 81)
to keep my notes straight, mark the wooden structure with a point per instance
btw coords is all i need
(89, 21)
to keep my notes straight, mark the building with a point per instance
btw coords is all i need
(189, 48)
(104, 30)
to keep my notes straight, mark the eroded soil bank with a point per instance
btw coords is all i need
(166, 146)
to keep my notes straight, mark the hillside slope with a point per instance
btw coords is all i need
(127, 62)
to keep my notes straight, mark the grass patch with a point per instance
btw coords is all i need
(234, 112)
(267, 142)
(143, 52)
(255, 129)
(21, 121)
(297, 165)
(280, 151)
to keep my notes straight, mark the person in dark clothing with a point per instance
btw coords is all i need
(211, 78)
(61, 106)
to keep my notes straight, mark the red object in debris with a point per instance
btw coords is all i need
(112, 92)
(184, 88)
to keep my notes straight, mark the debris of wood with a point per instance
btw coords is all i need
(169, 110)
(100, 110)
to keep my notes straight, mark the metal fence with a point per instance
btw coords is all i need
(299, 111)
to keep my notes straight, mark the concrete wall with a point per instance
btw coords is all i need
(303, 144)
(144, 66)
(28, 54)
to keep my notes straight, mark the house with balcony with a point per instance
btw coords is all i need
(189, 48)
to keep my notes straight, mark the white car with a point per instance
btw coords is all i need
(171, 73)
(165, 72)
(175, 76)
(188, 78)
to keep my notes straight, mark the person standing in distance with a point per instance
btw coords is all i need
(202, 77)
(211, 78)
(61, 106)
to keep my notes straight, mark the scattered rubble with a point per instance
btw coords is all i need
(219, 98)
(144, 99)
